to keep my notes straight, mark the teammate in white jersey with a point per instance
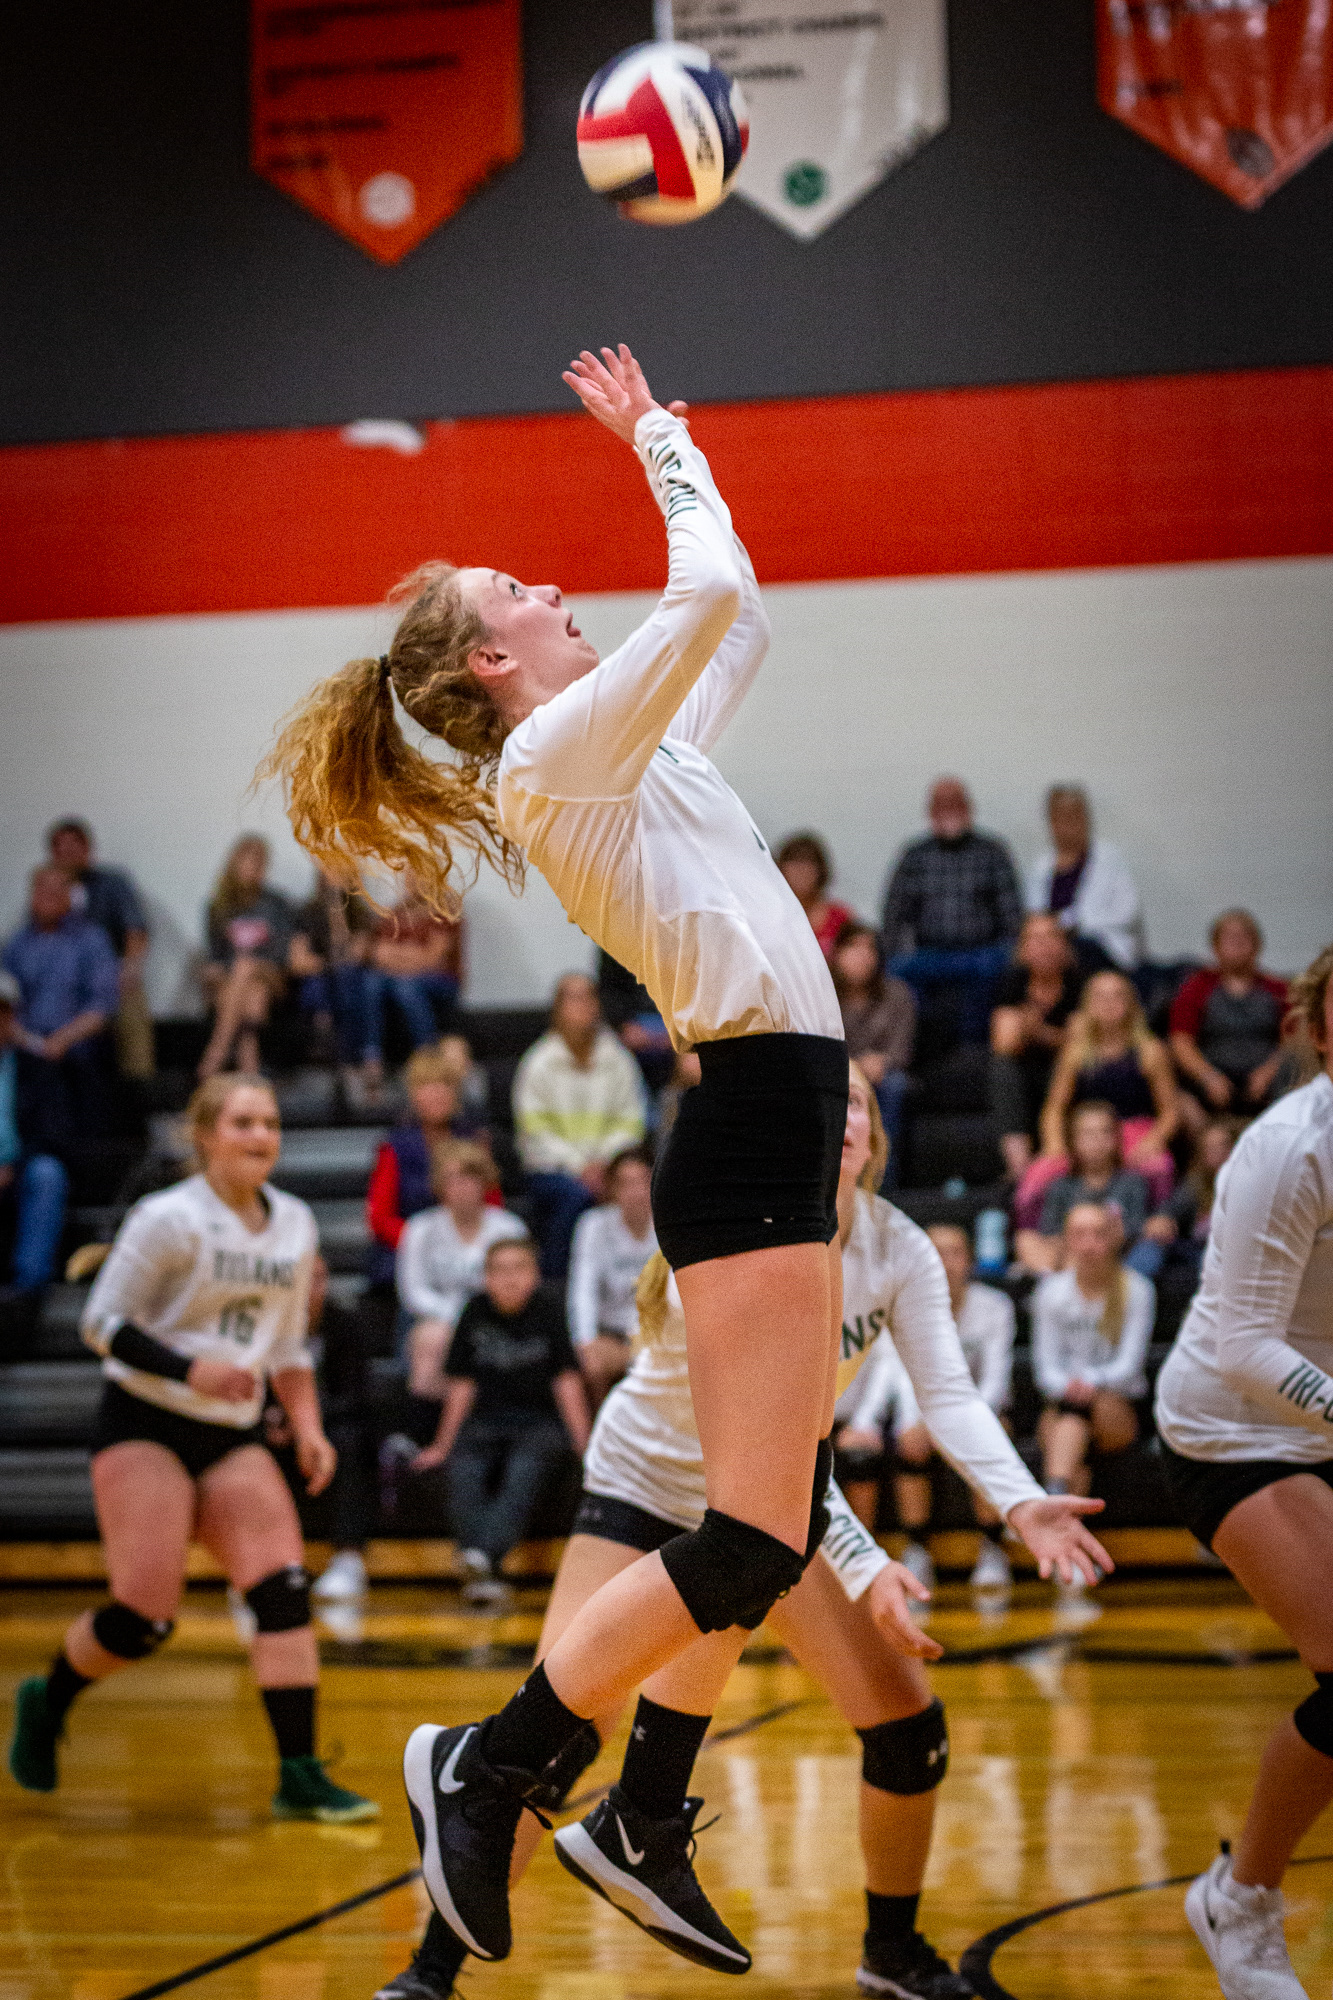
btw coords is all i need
(611, 1245)
(847, 1621)
(602, 780)
(202, 1299)
(1245, 1415)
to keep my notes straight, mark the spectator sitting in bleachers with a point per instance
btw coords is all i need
(1085, 882)
(578, 1101)
(952, 909)
(401, 1179)
(879, 1021)
(1091, 1325)
(628, 1010)
(108, 896)
(33, 1186)
(1110, 1055)
(1226, 1026)
(442, 1256)
(805, 863)
(1034, 999)
(1179, 1231)
(1096, 1173)
(987, 1326)
(250, 931)
(514, 1404)
(872, 1410)
(611, 1245)
(416, 960)
(69, 989)
(330, 954)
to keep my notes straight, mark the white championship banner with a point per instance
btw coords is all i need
(838, 96)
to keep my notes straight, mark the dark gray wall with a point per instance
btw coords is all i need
(153, 284)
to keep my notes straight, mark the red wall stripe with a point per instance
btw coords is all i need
(1172, 469)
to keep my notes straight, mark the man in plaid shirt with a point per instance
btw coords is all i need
(953, 909)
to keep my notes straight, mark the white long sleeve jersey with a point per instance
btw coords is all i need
(609, 791)
(645, 1448)
(605, 1260)
(1251, 1374)
(186, 1269)
(1068, 1344)
(436, 1272)
(986, 1329)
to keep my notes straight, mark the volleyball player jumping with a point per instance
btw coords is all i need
(598, 774)
(1245, 1414)
(847, 1621)
(202, 1297)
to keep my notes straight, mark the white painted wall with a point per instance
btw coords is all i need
(1196, 703)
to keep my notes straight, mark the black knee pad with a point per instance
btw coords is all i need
(1314, 1717)
(909, 1756)
(565, 1769)
(281, 1602)
(729, 1573)
(127, 1633)
(819, 1513)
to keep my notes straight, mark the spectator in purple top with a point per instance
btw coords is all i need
(952, 909)
(1086, 883)
(69, 986)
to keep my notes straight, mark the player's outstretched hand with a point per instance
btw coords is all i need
(1053, 1529)
(611, 389)
(887, 1599)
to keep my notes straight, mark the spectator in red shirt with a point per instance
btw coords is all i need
(804, 860)
(1226, 1026)
(401, 1185)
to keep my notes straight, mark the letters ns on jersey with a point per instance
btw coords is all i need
(1240, 91)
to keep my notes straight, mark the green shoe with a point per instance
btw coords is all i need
(306, 1791)
(32, 1751)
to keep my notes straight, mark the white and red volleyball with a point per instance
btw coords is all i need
(662, 132)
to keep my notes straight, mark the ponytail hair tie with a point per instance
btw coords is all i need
(384, 667)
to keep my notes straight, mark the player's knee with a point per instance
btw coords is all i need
(281, 1601)
(819, 1513)
(908, 1756)
(565, 1769)
(729, 1573)
(1314, 1717)
(120, 1629)
(913, 1447)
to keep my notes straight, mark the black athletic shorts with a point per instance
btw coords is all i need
(608, 1520)
(1206, 1489)
(123, 1418)
(752, 1160)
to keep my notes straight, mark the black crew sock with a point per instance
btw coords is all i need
(659, 1758)
(890, 1919)
(440, 1954)
(531, 1728)
(292, 1714)
(62, 1684)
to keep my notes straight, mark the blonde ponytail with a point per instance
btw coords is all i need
(357, 791)
(1117, 1304)
(650, 1296)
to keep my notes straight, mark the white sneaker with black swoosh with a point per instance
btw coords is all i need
(1240, 1928)
(643, 1866)
(465, 1812)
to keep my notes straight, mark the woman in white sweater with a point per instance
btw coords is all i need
(612, 1243)
(442, 1257)
(1245, 1413)
(1091, 1325)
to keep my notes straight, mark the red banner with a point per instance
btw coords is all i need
(1239, 90)
(383, 116)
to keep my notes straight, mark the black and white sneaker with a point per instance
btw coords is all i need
(643, 1866)
(430, 1976)
(910, 1969)
(465, 1813)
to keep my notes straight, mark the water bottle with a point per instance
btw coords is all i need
(992, 1241)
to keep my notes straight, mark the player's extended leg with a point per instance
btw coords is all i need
(248, 1520)
(145, 1503)
(760, 1424)
(1278, 1544)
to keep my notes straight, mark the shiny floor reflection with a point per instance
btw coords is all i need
(1087, 1755)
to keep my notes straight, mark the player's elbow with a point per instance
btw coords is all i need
(717, 592)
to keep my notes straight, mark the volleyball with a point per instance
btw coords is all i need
(662, 132)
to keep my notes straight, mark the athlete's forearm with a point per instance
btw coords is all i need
(137, 1349)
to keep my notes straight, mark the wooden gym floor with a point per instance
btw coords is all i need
(1091, 1762)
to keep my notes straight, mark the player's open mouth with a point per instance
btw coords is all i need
(572, 629)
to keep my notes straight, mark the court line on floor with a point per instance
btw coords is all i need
(975, 1963)
(310, 1923)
